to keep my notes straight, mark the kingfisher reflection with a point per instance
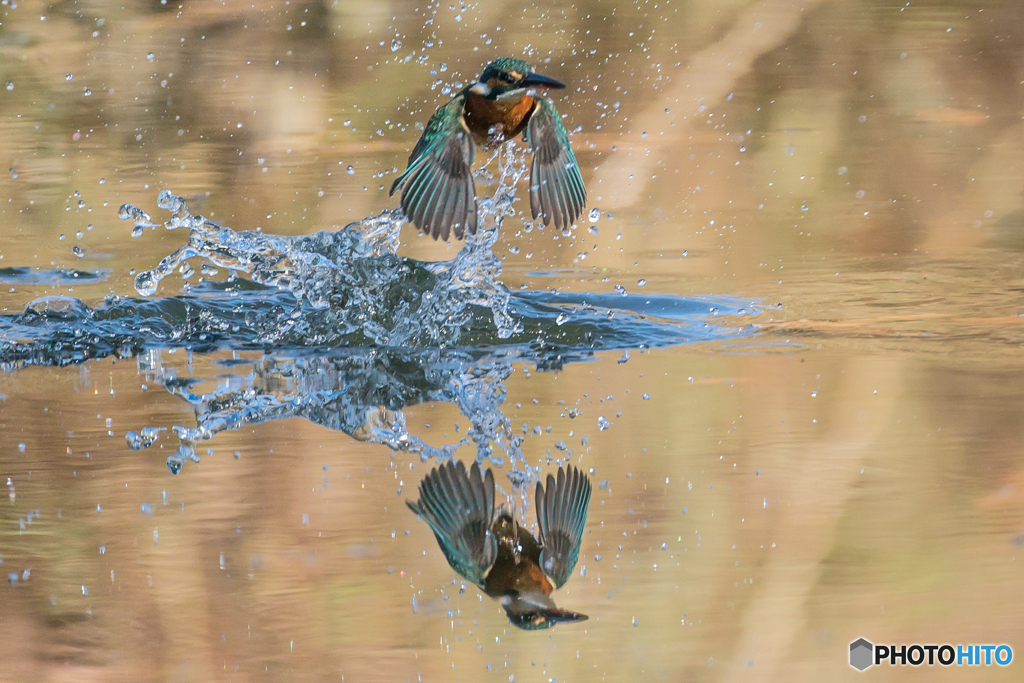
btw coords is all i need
(492, 550)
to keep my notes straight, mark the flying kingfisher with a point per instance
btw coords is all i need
(499, 555)
(438, 194)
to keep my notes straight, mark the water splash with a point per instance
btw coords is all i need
(361, 392)
(354, 274)
(350, 333)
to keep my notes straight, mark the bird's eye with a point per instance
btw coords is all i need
(507, 79)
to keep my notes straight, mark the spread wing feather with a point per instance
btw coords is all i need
(459, 508)
(556, 186)
(562, 514)
(438, 194)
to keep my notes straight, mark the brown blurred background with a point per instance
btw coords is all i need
(853, 468)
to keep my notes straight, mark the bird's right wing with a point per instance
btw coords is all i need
(556, 186)
(459, 507)
(438, 194)
(562, 513)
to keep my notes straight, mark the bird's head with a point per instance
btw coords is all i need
(508, 77)
(534, 611)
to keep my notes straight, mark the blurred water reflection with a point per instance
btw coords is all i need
(852, 470)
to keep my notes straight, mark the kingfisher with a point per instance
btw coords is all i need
(492, 550)
(438, 194)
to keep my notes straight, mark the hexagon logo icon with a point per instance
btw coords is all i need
(860, 654)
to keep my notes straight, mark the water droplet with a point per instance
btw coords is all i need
(595, 215)
(350, 170)
(624, 358)
(77, 251)
(396, 45)
(14, 173)
(69, 77)
(10, 85)
(646, 397)
(842, 170)
(146, 282)
(603, 423)
(150, 56)
(641, 282)
(137, 441)
(789, 150)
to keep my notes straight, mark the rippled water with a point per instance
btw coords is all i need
(785, 345)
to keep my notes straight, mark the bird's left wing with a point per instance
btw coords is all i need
(438, 194)
(459, 507)
(562, 513)
(556, 186)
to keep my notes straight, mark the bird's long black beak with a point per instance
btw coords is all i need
(542, 81)
(556, 615)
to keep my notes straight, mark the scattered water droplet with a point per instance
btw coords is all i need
(595, 215)
(396, 45)
(145, 439)
(603, 423)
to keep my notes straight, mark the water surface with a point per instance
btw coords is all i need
(797, 316)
